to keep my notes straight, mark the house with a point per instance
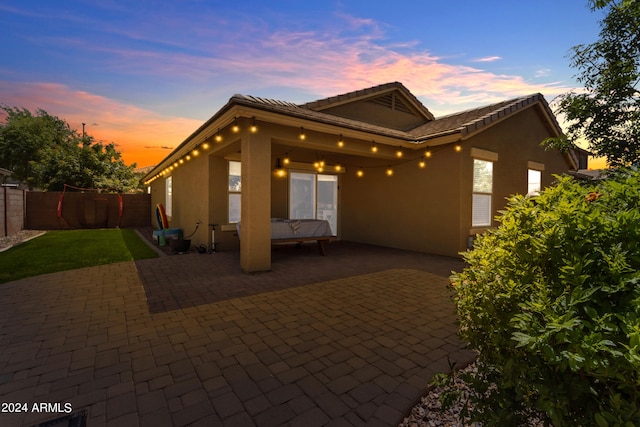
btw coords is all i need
(375, 162)
(7, 181)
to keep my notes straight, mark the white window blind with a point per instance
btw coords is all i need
(482, 193)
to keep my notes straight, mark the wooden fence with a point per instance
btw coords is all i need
(61, 211)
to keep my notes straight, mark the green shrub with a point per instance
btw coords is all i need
(551, 301)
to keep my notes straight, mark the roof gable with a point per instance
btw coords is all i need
(469, 122)
(389, 105)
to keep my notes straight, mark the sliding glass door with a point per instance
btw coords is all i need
(314, 196)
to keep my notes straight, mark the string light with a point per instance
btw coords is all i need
(254, 127)
(340, 142)
(389, 171)
(374, 147)
(458, 148)
(235, 128)
(218, 137)
(427, 154)
(303, 136)
(422, 163)
(280, 172)
(205, 146)
(286, 159)
(360, 173)
(195, 153)
(399, 152)
(338, 168)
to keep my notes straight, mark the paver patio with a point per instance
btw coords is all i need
(348, 339)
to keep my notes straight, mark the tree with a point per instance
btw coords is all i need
(43, 151)
(607, 112)
(23, 137)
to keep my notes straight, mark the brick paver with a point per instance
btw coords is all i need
(347, 339)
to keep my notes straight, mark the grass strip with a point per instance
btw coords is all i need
(136, 246)
(71, 249)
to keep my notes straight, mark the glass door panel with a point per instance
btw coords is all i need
(327, 203)
(302, 195)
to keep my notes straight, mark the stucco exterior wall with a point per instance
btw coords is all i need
(415, 209)
(157, 196)
(510, 170)
(427, 210)
(189, 201)
(190, 193)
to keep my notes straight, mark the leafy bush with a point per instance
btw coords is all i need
(551, 301)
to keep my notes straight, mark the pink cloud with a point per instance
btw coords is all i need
(327, 64)
(131, 128)
(345, 55)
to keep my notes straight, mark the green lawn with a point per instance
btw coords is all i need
(67, 250)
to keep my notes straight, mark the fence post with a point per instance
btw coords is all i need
(6, 225)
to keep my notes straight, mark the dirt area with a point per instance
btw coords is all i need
(7, 242)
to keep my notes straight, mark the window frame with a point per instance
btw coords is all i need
(314, 209)
(478, 193)
(168, 196)
(535, 191)
(235, 194)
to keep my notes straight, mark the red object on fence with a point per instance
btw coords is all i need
(60, 205)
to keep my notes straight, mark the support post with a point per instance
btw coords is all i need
(255, 211)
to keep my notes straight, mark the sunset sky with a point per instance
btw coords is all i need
(146, 74)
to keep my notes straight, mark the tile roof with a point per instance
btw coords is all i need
(302, 112)
(471, 121)
(368, 92)
(465, 122)
(459, 125)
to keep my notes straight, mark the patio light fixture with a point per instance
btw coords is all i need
(374, 147)
(254, 127)
(218, 137)
(340, 142)
(303, 135)
(280, 172)
(235, 128)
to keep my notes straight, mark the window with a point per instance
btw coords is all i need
(534, 182)
(314, 196)
(168, 195)
(235, 188)
(482, 191)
